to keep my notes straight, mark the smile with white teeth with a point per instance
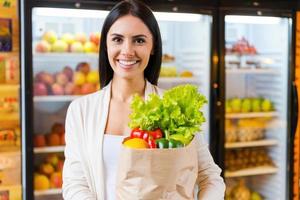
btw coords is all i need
(128, 62)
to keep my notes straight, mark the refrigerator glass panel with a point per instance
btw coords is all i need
(65, 63)
(10, 134)
(256, 65)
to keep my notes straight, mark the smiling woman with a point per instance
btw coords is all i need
(129, 63)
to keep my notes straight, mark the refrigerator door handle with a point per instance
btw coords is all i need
(295, 109)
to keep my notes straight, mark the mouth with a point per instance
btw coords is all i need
(127, 64)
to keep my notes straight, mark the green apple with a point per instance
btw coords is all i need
(256, 105)
(266, 105)
(236, 104)
(246, 105)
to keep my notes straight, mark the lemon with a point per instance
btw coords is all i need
(136, 143)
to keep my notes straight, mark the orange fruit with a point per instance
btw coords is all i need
(136, 143)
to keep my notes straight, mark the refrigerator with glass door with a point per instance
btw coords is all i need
(61, 64)
(260, 101)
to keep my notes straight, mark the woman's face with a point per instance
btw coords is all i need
(129, 45)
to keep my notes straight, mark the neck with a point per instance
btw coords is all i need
(123, 90)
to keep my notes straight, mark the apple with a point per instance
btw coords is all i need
(43, 47)
(52, 159)
(79, 78)
(57, 89)
(46, 168)
(87, 88)
(41, 182)
(44, 77)
(60, 46)
(95, 38)
(50, 36)
(69, 88)
(60, 165)
(58, 128)
(89, 47)
(81, 37)
(83, 67)
(93, 77)
(53, 139)
(246, 105)
(77, 47)
(266, 105)
(61, 79)
(77, 90)
(68, 38)
(40, 89)
(236, 104)
(68, 71)
(39, 140)
(56, 180)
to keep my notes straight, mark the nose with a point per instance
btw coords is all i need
(127, 49)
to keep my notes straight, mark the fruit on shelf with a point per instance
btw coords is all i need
(39, 140)
(68, 38)
(40, 89)
(53, 139)
(9, 137)
(266, 105)
(43, 47)
(186, 74)
(61, 78)
(56, 180)
(246, 105)
(168, 72)
(58, 128)
(79, 78)
(89, 47)
(57, 89)
(52, 159)
(83, 67)
(236, 104)
(246, 158)
(68, 71)
(242, 46)
(81, 37)
(69, 89)
(93, 77)
(41, 182)
(62, 139)
(46, 168)
(95, 38)
(241, 192)
(50, 36)
(87, 88)
(60, 46)
(45, 77)
(77, 47)
(167, 58)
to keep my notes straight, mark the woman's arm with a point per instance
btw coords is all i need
(75, 185)
(211, 184)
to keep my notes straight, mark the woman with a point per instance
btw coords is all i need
(130, 59)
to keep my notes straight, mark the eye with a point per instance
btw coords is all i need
(117, 39)
(139, 40)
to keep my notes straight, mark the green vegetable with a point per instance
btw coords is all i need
(177, 112)
(162, 143)
(175, 144)
(181, 138)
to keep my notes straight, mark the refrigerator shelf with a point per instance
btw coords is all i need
(258, 143)
(253, 71)
(178, 80)
(48, 192)
(63, 56)
(53, 149)
(251, 115)
(55, 98)
(252, 172)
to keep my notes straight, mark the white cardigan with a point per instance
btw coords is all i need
(83, 177)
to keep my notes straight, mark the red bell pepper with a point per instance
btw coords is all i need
(137, 133)
(151, 142)
(157, 133)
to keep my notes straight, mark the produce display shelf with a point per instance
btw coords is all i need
(178, 80)
(251, 171)
(253, 71)
(55, 98)
(53, 149)
(48, 192)
(64, 55)
(258, 143)
(251, 115)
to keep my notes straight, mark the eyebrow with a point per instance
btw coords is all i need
(135, 36)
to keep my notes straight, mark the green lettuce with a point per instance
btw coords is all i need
(177, 112)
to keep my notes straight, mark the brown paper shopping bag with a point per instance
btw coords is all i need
(157, 174)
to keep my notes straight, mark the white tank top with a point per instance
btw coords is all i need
(111, 149)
